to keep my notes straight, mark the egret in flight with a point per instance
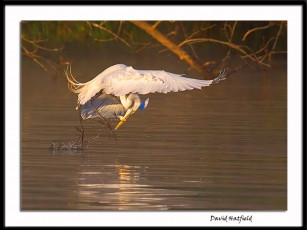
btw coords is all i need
(114, 93)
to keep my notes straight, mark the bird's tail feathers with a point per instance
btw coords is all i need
(73, 85)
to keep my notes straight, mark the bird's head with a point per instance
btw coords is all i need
(143, 104)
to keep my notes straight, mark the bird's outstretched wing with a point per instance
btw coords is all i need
(107, 105)
(130, 80)
(121, 80)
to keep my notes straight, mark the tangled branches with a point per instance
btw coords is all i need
(34, 48)
(261, 56)
(205, 46)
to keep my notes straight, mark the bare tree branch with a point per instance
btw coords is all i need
(180, 38)
(170, 45)
(35, 44)
(36, 48)
(110, 32)
(34, 57)
(156, 24)
(227, 58)
(229, 44)
(256, 29)
(277, 36)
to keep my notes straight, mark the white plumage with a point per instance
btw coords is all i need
(114, 92)
(120, 80)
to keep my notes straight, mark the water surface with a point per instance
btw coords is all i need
(220, 148)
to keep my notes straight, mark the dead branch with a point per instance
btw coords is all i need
(120, 27)
(191, 47)
(156, 24)
(35, 44)
(110, 32)
(256, 29)
(34, 57)
(171, 46)
(277, 36)
(142, 45)
(227, 56)
(229, 44)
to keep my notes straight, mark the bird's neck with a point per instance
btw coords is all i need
(124, 101)
(131, 100)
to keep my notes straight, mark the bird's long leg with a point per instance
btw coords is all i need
(105, 121)
(81, 130)
(110, 131)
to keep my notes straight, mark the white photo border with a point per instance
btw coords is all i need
(15, 14)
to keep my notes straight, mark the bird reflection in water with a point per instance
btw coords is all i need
(116, 187)
(128, 186)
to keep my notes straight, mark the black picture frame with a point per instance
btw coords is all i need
(302, 4)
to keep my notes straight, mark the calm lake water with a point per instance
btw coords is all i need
(220, 148)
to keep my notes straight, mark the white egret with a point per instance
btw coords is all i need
(114, 93)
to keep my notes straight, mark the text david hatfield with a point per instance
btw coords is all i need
(227, 218)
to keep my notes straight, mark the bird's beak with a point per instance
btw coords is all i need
(119, 124)
(123, 120)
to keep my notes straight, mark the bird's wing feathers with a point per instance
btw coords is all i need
(90, 89)
(129, 80)
(121, 80)
(107, 105)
